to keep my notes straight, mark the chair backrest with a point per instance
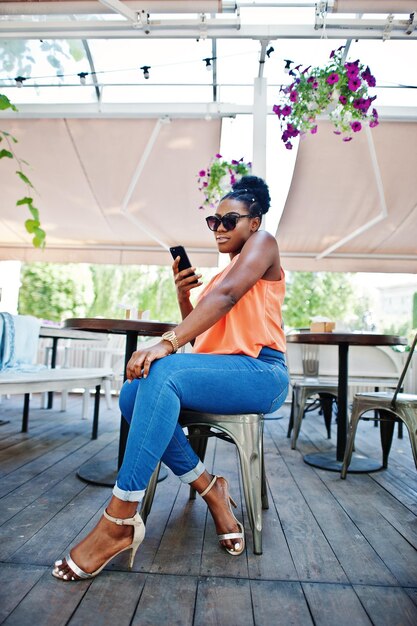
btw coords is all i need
(404, 372)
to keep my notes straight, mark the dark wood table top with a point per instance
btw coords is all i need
(121, 326)
(66, 333)
(353, 339)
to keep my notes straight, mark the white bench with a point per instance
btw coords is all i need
(15, 382)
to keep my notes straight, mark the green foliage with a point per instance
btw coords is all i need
(326, 294)
(218, 178)
(55, 292)
(33, 225)
(142, 287)
(16, 55)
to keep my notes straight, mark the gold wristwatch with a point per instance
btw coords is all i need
(172, 338)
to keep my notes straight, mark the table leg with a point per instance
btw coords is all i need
(53, 365)
(327, 460)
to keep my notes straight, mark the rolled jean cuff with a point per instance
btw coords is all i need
(193, 474)
(128, 496)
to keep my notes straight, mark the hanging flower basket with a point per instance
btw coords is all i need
(217, 179)
(340, 88)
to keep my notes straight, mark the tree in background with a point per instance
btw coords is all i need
(55, 292)
(326, 294)
(142, 287)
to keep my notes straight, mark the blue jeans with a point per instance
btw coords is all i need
(211, 383)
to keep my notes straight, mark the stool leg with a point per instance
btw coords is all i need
(149, 494)
(387, 424)
(291, 422)
(96, 412)
(198, 437)
(326, 402)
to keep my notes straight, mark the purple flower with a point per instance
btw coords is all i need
(374, 122)
(352, 69)
(332, 78)
(292, 130)
(232, 179)
(313, 130)
(285, 136)
(313, 82)
(342, 99)
(347, 138)
(288, 145)
(333, 52)
(337, 132)
(202, 173)
(375, 113)
(218, 156)
(286, 110)
(306, 70)
(359, 104)
(367, 76)
(356, 126)
(277, 110)
(234, 162)
(298, 67)
(293, 96)
(354, 84)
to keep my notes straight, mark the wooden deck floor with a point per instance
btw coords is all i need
(335, 552)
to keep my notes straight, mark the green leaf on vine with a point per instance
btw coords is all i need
(31, 225)
(23, 177)
(6, 153)
(39, 239)
(24, 200)
(6, 134)
(6, 104)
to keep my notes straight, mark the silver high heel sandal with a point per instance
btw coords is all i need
(239, 545)
(138, 536)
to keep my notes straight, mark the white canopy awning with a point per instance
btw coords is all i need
(109, 190)
(353, 206)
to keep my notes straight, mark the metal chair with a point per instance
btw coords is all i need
(391, 407)
(246, 432)
(311, 384)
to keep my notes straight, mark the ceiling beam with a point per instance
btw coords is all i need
(210, 28)
(172, 110)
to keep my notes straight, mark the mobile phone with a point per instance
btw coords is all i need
(184, 260)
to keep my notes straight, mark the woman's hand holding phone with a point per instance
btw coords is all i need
(185, 280)
(184, 274)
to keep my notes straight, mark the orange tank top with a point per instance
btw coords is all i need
(255, 320)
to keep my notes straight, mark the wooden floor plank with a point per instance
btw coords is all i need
(110, 600)
(335, 604)
(50, 602)
(313, 557)
(166, 600)
(279, 603)
(15, 582)
(223, 601)
(359, 560)
(387, 605)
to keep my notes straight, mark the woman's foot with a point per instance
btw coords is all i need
(101, 544)
(218, 501)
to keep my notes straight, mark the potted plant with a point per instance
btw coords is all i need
(219, 177)
(340, 88)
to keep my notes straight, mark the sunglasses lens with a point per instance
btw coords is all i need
(229, 222)
(213, 222)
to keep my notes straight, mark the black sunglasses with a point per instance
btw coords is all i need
(229, 221)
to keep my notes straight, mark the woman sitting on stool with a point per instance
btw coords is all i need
(237, 366)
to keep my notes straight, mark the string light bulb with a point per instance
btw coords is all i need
(208, 61)
(145, 69)
(82, 76)
(19, 81)
(270, 51)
